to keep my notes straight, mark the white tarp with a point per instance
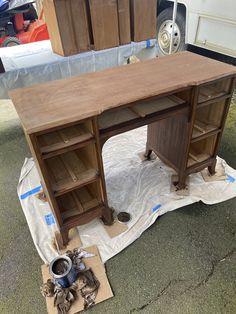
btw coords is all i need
(141, 188)
(35, 63)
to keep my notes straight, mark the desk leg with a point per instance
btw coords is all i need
(148, 151)
(212, 168)
(107, 216)
(64, 236)
(182, 181)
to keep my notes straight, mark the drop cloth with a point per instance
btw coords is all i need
(141, 188)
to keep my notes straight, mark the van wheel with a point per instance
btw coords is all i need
(164, 30)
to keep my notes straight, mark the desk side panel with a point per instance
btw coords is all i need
(168, 139)
(40, 164)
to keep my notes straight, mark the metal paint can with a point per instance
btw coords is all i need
(63, 271)
(123, 217)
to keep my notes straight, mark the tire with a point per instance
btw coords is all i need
(164, 26)
(11, 41)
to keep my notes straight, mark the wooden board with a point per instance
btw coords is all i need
(67, 23)
(80, 22)
(209, 92)
(143, 19)
(104, 19)
(63, 138)
(124, 21)
(69, 171)
(146, 108)
(201, 128)
(57, 103)
(197, 158)
(201, 150)
(76, 202)
(110, 118)
(167, 138)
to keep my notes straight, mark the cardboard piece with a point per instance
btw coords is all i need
(104, 291)
(218, 176)
(173, 187)
(116, 229)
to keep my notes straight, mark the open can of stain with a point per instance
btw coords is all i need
(123, 217)
(63, 271)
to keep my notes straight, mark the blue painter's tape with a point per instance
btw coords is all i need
(155, 209)
(148, 43)
(31, 192)
(230, 178)
(49, 219)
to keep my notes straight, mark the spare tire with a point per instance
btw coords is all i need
(11, 41)
(164, 30)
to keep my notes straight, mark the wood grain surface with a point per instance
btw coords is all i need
(143, 19)
(124, 21)
(65, 101)
(104, 19)
(68, 26)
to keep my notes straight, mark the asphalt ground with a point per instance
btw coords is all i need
(184, 263)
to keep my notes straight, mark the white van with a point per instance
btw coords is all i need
(209, 24)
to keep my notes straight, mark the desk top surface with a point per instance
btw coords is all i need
(56, 103)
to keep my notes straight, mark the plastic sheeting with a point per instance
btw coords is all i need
(35, 63)
(141, 188)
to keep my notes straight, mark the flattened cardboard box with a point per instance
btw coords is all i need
(104, 291)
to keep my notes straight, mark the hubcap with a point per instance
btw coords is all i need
(164, 37)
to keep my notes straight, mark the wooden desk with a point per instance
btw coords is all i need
(184, 98)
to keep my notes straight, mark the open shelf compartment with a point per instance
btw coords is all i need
(72, 169)
(65, 137)
(201, 150)
(213, 91)
(115, 117)
(208, 119)
(138, 110)
(79, 201)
